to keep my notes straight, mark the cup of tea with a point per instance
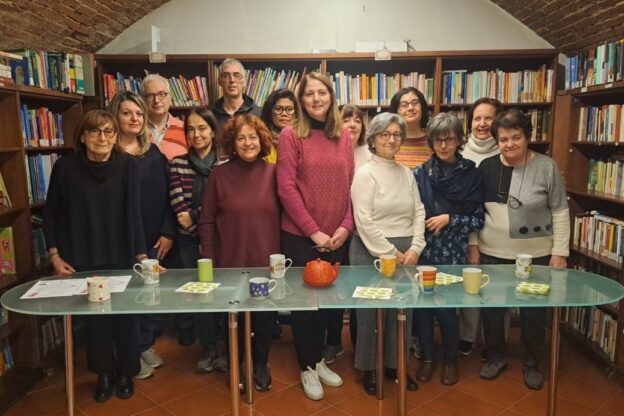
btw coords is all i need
(98, 289)
(204, 270)
(279, 264)
(426, 278)
(524, 266)
(149, 270)
(386, 265)
(260, 287)
(474, 280)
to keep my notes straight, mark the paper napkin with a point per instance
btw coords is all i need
(198, 287)
(533, 288)
(444, 279)
(384, 293)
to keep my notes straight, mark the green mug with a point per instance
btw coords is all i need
(204, 270)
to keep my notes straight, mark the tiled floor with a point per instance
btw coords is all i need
(177, 390)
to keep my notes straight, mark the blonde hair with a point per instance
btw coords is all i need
(114, 106)
(333, 122)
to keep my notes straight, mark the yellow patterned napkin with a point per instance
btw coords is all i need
(533, 288)
(383, 293)
(444, 279)
(197, 287)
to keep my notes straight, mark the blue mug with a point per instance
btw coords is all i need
(260, 287)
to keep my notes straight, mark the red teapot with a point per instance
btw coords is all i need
(320, 273)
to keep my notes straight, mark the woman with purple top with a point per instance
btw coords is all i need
(314, 173)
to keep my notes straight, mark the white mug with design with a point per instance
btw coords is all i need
(98, 289)
(524, 265)
(149, 270)
(279, 264)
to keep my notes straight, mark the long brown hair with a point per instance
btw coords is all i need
(333, 122)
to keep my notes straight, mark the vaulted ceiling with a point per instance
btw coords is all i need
(88, 25)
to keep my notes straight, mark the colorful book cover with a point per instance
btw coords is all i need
(5, 201)
(7, 251)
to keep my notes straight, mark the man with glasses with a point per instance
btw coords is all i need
(234, 101)
(167, 131)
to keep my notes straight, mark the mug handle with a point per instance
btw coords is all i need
(288, 289)
(487, 278)
(272, 282)
(287, 264)
(419, 281)
(138, 272)
(377, 265)
(139, 298)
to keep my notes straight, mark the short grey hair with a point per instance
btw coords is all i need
(154, 77)
(444, 124)
(380, 123)
(231, 61)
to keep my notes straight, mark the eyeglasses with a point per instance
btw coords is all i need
(512, 201)
(446, 141)
(386, 135)
(95, 133)
(288, 110)
(407, 104)
(237, 76)
(152, 96)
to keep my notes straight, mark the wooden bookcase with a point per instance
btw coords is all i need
(574, 156)
(23, 332)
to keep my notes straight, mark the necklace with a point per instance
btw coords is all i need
(513, 201)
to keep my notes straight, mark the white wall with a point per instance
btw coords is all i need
(293, 26)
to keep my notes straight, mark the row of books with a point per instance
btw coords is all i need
(41, 127)
(261, 82)
(377, 89)
(606, 175)
(51, 335)
(595, 325)
(599, 65)
(601, 124)
(530, 86)
(184, 92)
(6, 357)
(600, 234)
(7, 251)
(38, 169)
(52, 70)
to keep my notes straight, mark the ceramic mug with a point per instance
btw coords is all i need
(524, 266)
(98, 289)
(426, 278)
(279, 264)
(386, 265)
(473, 280)
(260, 287)
(149, 270)
(204, 270)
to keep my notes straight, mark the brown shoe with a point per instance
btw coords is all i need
(450, 374)
(425, 371)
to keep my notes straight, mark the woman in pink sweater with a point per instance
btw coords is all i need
(314, 172)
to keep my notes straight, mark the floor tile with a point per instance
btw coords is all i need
(615, 405)
(277, 385)
(206, 402)
(38, 402)
(137, 403)
(169, 383)
(449, 402)
(331, 411)
(154, 411)
(502, 391)
(364, 404)
(536, 404)
(244, 411)
(289, 402)
(590, 393)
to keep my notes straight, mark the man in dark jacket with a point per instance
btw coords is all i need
(234, 101)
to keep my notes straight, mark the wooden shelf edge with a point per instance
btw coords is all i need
(39, 92)
(46, 148)
(531, 104)
(596, 144)
(592, 350)
(10, 149)
(597, 195)
(596, 257)
(15, 383)
(593, 89)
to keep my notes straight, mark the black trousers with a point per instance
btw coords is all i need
(532, 325)
(113, 344)
(309, 327)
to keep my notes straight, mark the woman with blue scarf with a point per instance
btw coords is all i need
(451, 189)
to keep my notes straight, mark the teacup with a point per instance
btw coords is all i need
(386, 265)
(98, 289)
(279, 264)
(260, 287)
(426, 278)
(524, 266)
(473, 280)
(149, 270)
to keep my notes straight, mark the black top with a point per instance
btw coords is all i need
(92, 212)
(497, 179)
(248, 107)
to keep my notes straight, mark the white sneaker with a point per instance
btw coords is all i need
(327, 376)
(311, 385)
(146, 371)
(152, 358)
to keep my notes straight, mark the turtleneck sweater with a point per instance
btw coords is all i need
(477, 150)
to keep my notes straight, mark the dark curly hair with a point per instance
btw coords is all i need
(232, 128)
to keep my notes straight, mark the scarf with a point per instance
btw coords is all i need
(449, 188)
(202, 168)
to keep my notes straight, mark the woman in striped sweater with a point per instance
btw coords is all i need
(187, 177)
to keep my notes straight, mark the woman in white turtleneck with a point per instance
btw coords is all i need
(480, 145)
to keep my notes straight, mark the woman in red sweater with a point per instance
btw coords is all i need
(240, 218)
(314, 173)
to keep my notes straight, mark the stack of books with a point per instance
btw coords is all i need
(595, 325)
(604, 124)
(606, 175)
(38, 175)
(599, 234)
(41, 127)
(599, 65)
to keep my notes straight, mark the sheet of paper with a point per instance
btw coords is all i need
(363, 292)
(117, 284)
(53, 288)
(197, 287)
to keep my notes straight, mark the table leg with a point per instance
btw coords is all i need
(554, 362)
(380, 359)
(401, 362)
(234, 364)
(248, 360)
(69, 363)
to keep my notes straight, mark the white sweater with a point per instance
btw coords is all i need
(386, 204)
(477, 150)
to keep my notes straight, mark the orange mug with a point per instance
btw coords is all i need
(426, 278)
(386, 265)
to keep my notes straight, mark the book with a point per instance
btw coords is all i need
(5, 201)
(7, 251)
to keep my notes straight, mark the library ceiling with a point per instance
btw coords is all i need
(89, 25)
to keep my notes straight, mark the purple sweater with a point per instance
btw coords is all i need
(239, 220)
(314, 180)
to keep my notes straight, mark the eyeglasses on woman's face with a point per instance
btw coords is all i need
(386, 135)
(278, 109)
(447, 141)
(95, 133)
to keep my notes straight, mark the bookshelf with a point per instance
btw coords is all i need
(583, 140)
(23, 333)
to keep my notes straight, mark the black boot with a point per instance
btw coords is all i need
(124, 388)
(262, 377)
(370, 382)
(103, 388)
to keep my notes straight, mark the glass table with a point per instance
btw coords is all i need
(568, 288)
